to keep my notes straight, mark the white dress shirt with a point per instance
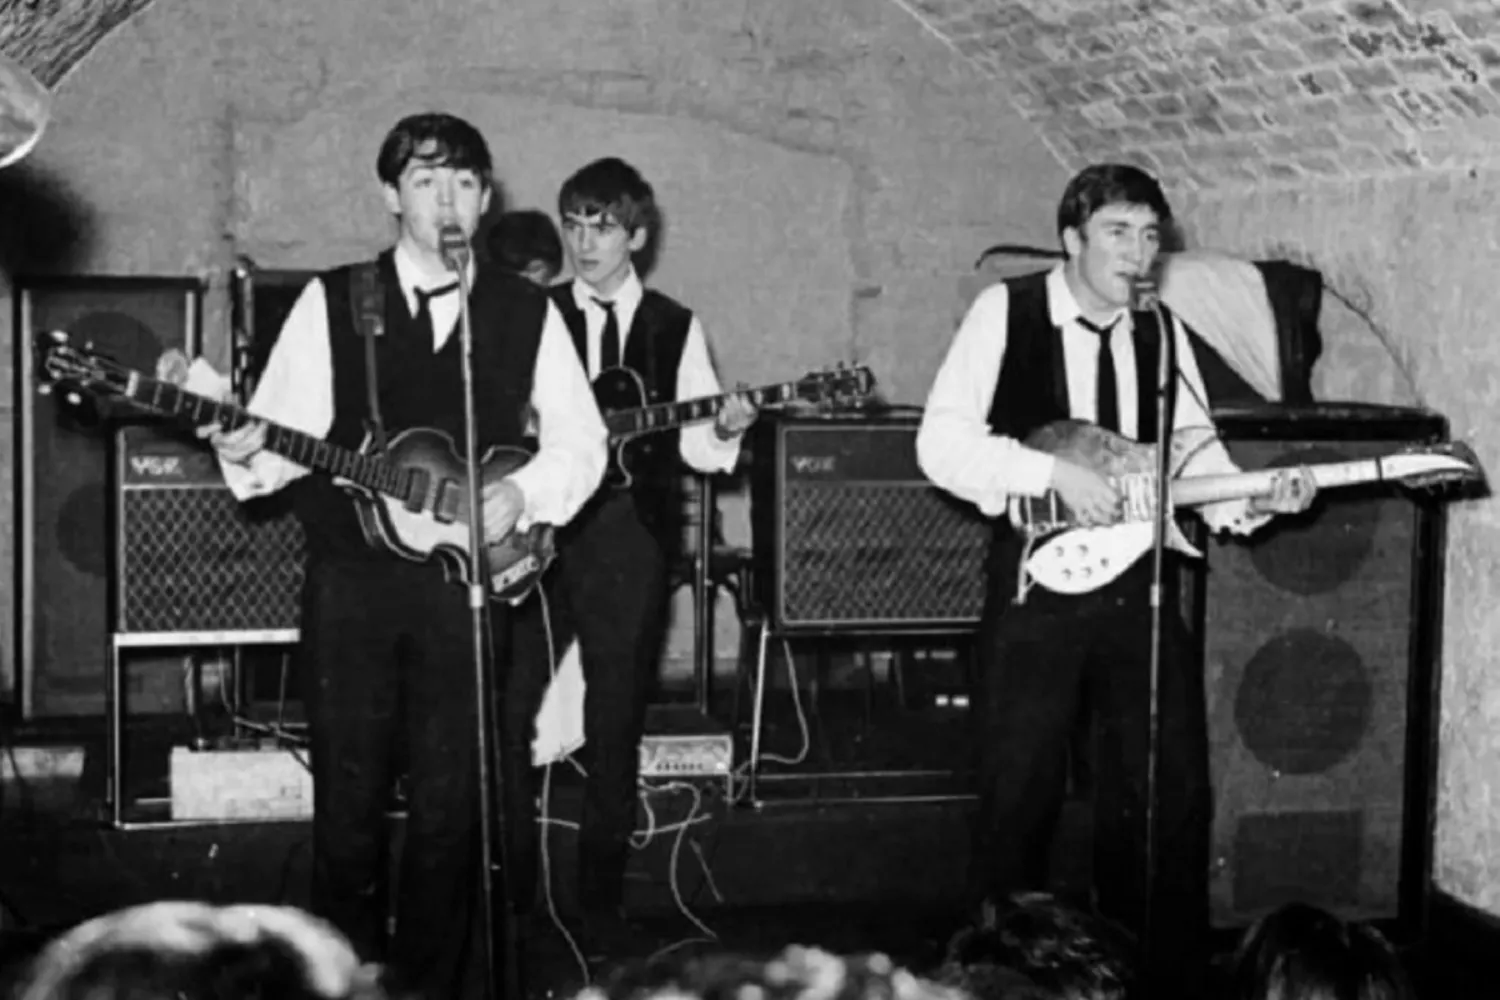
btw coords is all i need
(296, 390)
(699, 443)
(957, 450)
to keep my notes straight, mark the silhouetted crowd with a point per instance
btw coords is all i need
(1030, 947)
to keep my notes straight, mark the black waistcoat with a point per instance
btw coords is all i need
(653, 350)
(1033, 386)
(418, 387)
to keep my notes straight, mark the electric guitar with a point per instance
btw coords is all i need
(1070, 558)
(621, 396)
(412, 501)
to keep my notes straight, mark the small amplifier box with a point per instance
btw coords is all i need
(705, 755)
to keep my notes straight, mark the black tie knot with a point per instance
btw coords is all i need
(426, 295)
(1103, 331)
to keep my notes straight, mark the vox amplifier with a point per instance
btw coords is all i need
(193, 565)
(850, 537)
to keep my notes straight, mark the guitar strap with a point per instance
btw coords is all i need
(367, 306)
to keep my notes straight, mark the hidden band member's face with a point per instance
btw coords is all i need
(1117, 245)
(599, 249)
(428, 196)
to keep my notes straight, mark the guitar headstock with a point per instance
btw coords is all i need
(837, 386)
(1428, 467)
(59, 362)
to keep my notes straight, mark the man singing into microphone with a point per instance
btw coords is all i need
(385, 656)
(1044, 347)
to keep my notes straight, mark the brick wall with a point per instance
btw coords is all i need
(1226, 93)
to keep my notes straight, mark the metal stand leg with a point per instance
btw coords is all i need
(114, 737)
(758, 708)
(704, 594)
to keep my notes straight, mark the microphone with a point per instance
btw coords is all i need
(454, 246)
(1145, 293)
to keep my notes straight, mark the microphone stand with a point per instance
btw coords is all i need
(456, 253)
(1148, 300)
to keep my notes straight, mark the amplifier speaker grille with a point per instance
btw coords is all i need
(879, 552)
(192, 558)
(851, 537)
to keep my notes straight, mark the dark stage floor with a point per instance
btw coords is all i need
(860, 845)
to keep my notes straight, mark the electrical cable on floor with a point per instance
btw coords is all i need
(737, 786)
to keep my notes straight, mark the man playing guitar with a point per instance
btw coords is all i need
(610, 587)
(385, 650)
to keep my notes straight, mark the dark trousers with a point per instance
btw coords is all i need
(608, 590)
(536, 643)
(1038, 663)
(386, 661)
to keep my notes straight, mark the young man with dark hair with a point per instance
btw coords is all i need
(386, 650)
(524, 241)
(1062, 344)
(610, 588)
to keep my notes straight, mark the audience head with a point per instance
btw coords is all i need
(194, 951)
(795, 974)
(1301, 952)
(525, 242)
(1061, 952)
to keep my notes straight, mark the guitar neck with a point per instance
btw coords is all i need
(1198, 490)
(664, 416)
(304, 449)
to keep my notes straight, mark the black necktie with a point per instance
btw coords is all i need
(424, 310)
(609, 344)
(1106, 389)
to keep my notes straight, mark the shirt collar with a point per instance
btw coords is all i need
(626, 297)
(411, 277)
(1061, 302)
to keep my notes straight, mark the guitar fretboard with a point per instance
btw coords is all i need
(1196, 490)
(660, 416)
(304, 449)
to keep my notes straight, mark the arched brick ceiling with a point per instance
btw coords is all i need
(1208, 92)
(49, 37)
(1243, 92)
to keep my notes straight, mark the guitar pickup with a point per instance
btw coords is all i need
(416, 497)
(448, 501)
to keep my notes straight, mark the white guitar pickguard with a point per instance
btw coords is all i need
(1085, 559)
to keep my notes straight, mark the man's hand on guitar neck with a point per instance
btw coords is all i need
(236, 445)
(1088, 495)
(735, 417)
(1292, 491)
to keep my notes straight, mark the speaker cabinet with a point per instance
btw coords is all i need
(851, 537)
(1320, 637)
(195, 566)
(63, 449)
